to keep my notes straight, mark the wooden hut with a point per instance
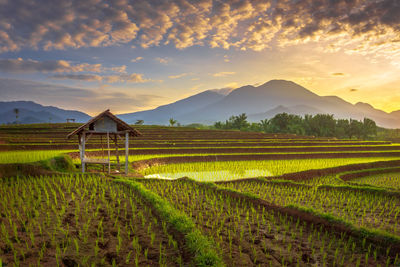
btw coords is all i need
(104, 125)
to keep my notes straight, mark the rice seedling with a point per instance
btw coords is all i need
(359, 207)
(40, 225)
(252, 235)
(386, 180)
(230, 170)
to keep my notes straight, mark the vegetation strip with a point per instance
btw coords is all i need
(203, 249)
(362, 189)
(346, 176)
(309, 215)
(311, 174)
(186, 159)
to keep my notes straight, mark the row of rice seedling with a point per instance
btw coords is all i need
(254, 235)
(76, 220)
(361, 208)
(29, 155)
(386, 180)
(230, 170)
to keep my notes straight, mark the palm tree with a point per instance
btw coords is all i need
(16, 111)
(172, 122)
(139, 122)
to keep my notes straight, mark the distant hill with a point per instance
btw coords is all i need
(31, 112)
(162, 114)
(260, 102)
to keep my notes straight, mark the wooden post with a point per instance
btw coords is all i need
(83, 141)
(108, 148)
(126, 152)
(117, 152)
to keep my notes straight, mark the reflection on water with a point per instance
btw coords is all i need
(212, 175)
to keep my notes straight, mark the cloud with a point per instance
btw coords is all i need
(178, 76)
(136, 59)
(129, 78)
(338, 74)
(364, 27)
(79, 77)
(88, 100)
(20, 65)
(223, 73)
(162, 60)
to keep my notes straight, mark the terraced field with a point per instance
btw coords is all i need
(251, 199)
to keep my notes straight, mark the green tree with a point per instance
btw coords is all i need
(139, 122)
(172, 122)
(16, 111)
(369, 128)
(355, 129)
(239, 122)
(342, 128)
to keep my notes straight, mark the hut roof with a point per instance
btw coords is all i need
(121, 125)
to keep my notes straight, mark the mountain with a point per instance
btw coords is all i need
(260, 102)
(162, 114)
(31, 112)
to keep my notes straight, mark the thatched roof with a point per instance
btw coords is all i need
(121, 125)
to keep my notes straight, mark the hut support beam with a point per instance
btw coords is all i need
(117, 152)
(108, 149)
(82, 150)
(126, 152)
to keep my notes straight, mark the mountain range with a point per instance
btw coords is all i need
(258, 102)
(31, 112)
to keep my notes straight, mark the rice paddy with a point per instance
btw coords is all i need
(251, 199)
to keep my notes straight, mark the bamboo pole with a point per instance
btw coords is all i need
(102, 150)
(117, 152)
(108, 148)
(83, 141)
(126, 152)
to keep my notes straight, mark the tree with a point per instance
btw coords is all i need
(265, 125)
(355, 129)
(139, 122)
(369, 128)
(219, 125)
(342, 128)
(172, 122)
(240, 122)
(16, 111)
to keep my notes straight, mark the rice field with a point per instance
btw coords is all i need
(231, 170)
(386, 180)
(251, 199)
(359, 207)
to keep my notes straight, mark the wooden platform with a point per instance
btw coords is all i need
(97, 161)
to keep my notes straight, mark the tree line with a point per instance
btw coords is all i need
(320, 125)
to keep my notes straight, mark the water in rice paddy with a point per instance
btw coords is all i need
(215, 175)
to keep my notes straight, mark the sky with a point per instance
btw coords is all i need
(131, 55)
